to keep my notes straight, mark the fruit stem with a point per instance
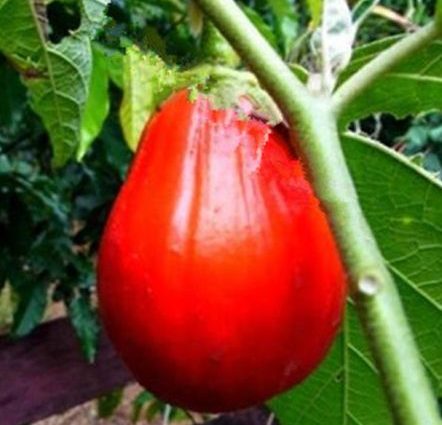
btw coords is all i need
(382, 64)
(372, 287)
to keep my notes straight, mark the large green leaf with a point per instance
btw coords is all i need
(344, 390)
(404, 207)
(59, 93)
(413, 86)
(57, 75)
(22, 30)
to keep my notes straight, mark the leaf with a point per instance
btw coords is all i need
(115, 68)
(345, 388)
(215, 49)
(139, 403)
(22, 31)
(13, 97)
(403, 205)
(31, 307)
(85, 322)
(147, 81)
(60, 92)
(362, 9)
(57, 75)
(97, 105)
(153, 409)
(300, 72)
(265, 30)
(406, 218)
(315, 8)
(108, 403)
(286, 22)
(412, 87)
(93, 16)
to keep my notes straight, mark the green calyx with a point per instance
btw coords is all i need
(148, 82)
(228, 88)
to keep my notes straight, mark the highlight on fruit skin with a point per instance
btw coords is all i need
(219, 281)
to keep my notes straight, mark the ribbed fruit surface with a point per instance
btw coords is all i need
(219, 280)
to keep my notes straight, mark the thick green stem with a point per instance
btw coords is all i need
(383, 63)
(372, 286)
(377, 301)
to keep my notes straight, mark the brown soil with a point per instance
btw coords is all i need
(86, 414)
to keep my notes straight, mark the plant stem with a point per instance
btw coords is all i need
(382, 64)
(316, 139)
(247, 41)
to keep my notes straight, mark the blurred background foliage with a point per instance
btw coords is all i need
(51, 218)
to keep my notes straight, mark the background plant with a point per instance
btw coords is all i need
(52, 208)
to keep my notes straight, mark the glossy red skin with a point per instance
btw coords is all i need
(219, 281)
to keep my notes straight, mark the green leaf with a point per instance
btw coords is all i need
(406, 218)
(300, 72)
(59, 93)
(344, 390)
(31, 307)
(93, 16)
(286, 22)
(412, 87)
(23, 30)
(139, 403)
(361, 9)
(97, 105)
(265, 30)
(403, 205)
(215, 49)
(147, 81)
(154, 409)
(315, 8)
(115, 68)
(108, 403)
(13, 97)
(57, 75)
(85, 322)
